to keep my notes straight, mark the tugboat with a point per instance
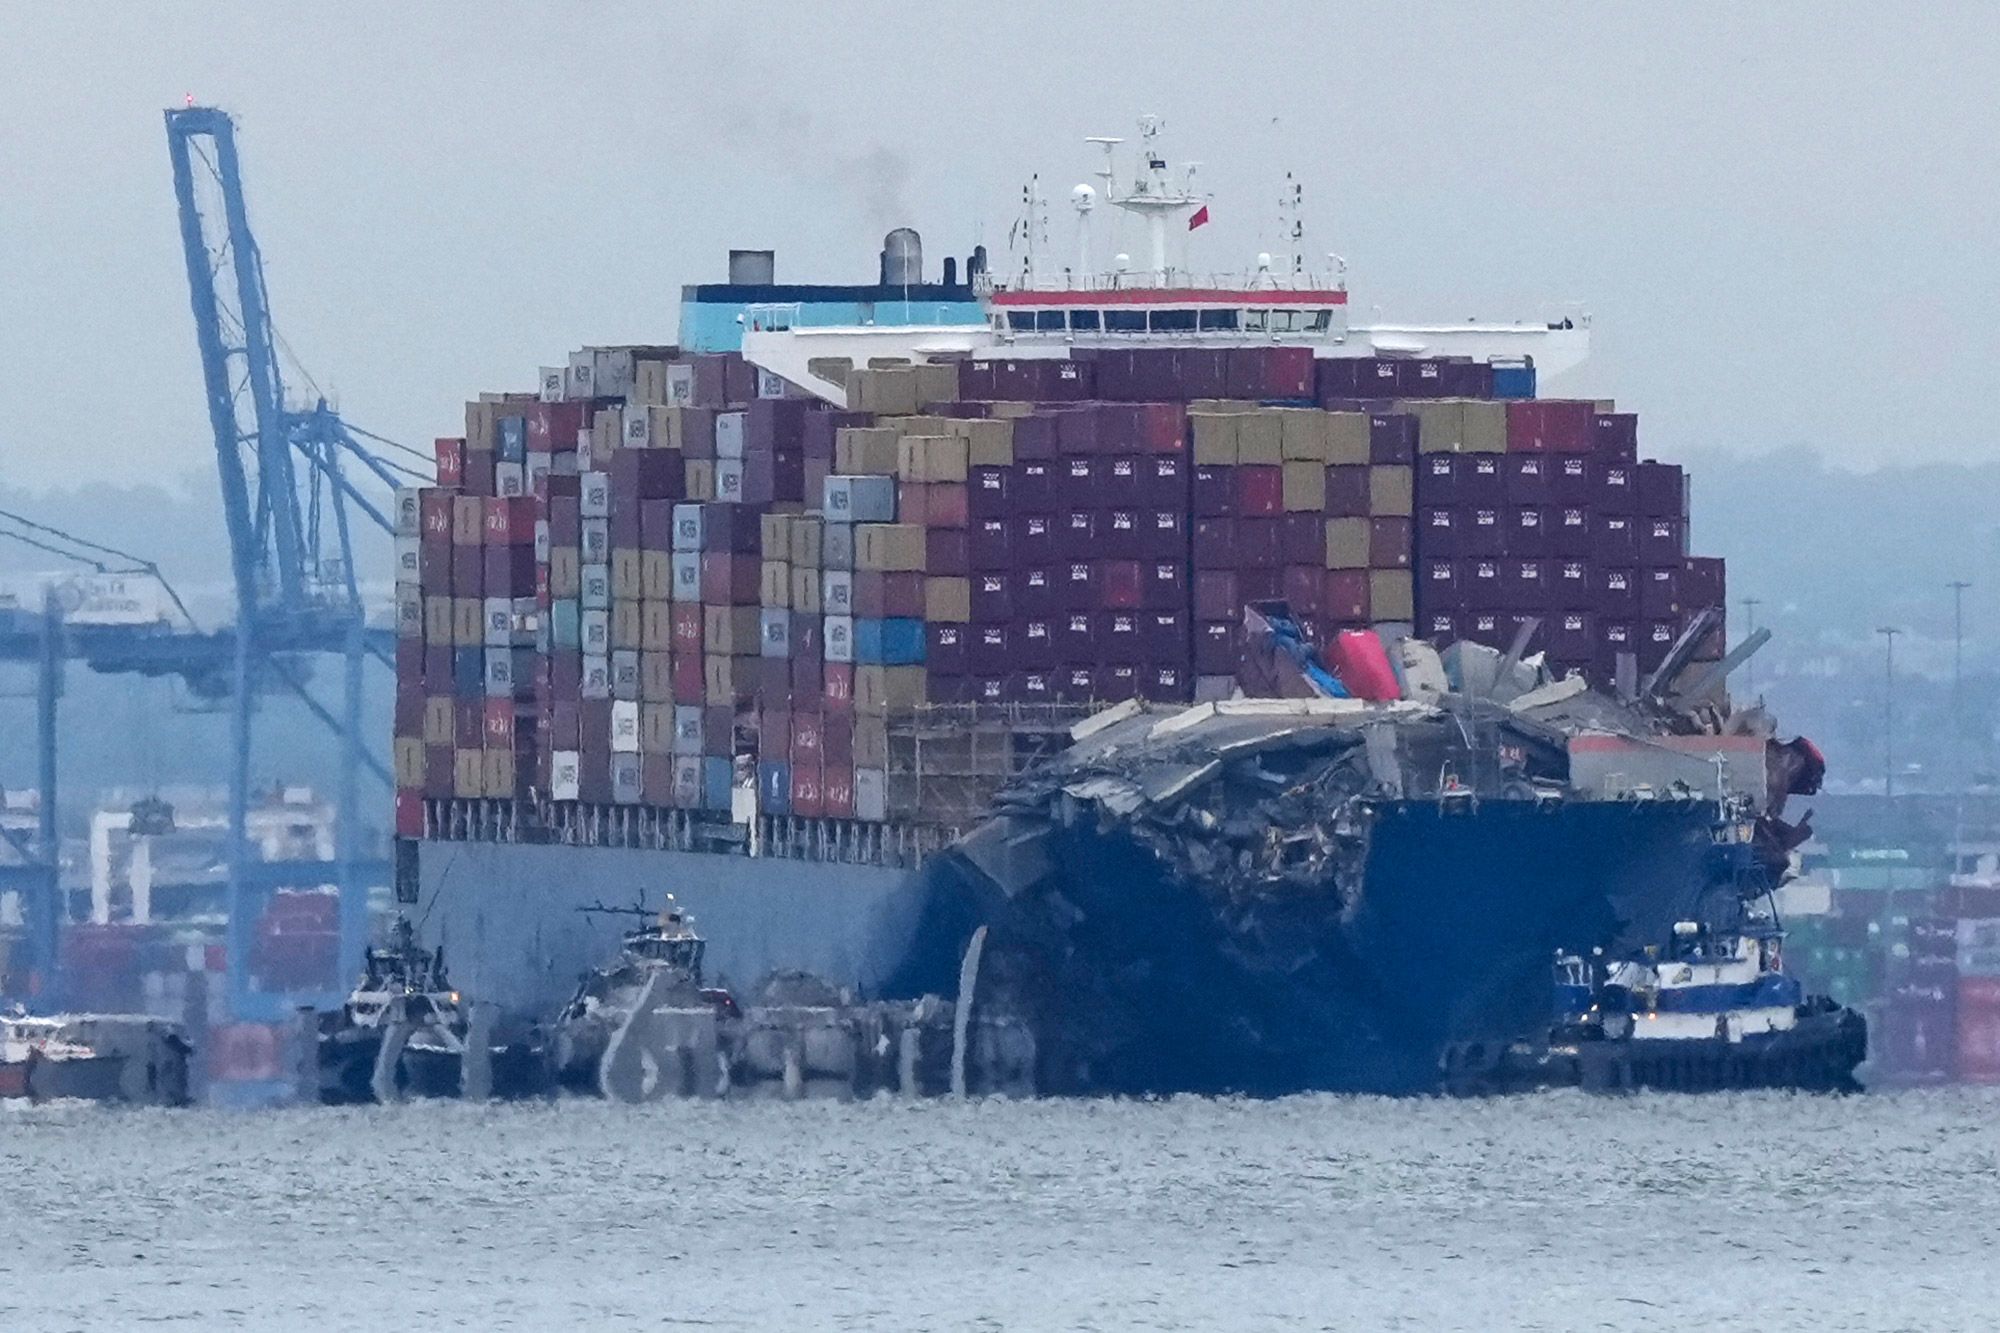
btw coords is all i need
(645, 1026)
(1710, 1010)
(401, 1031)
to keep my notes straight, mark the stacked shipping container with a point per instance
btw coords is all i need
(661, 576)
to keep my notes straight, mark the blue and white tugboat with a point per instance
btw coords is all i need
(1710, 1009)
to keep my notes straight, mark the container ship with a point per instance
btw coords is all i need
(770, 616)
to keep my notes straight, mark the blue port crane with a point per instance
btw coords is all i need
(288, 471)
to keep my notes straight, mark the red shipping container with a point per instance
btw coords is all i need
(837, 739)
(839, 695)
(1304, 588)
(836, 791)
(1270, 372)
(689, 687)
(808, 799)
(1344, 595)
(1358, 658)
(1162, 428)
(449, 454)
(1121, 583)
(1979, 1029)
(1260, 491)
(497, 724)
(409, 812)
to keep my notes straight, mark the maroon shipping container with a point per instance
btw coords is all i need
(986, 491)
(1302, 539)
(992, 598)
(1037, 437)
(1662, 490)
(1215, 647)
(948, 551)
(1164, 481)
(1260, 543)
(1079, 431)
(1117, 638)
(1344, 595)
(1214, 543)
(1389, 543)
(1347, 491)
(1121, 584)
(1213, 491)
(1270, 372)
(1260, 491)
(1439, 586)
(1549, 425)
(1703, 582)
(1662, 541)
(1304, 586)
(1076, 638)
(1036, 537)
(730, 580)
(1215, 596)
(988, 546)
(1437, 479)
(1392, 438)
(1614, 436)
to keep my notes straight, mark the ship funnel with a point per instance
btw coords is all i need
(976, 264)
(950, 271)
(753, 268)
(902, 258)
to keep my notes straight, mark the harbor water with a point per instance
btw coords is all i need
(1559, 1211)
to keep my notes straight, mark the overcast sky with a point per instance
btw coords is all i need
(1783, 217)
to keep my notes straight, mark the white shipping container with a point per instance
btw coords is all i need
(614, 372)
(770, 384)
(499, 615)
(624, 726)
(594, 634)
(638, 426)
(836, 592)
(687, 729)
(499, 675)
(409, 559)
(594, 495)
(594, 541)
(542, 542)
(565, 769)
(680, 384)
(554, 381)
(581, 382)
(775, 633)
(409, 612)
(510, 480)
(625, 673)
(690, 529)
(687, 577)
(110, 599)
(539, 466)
(409, 511)
(596, 677)
(838, 640)
(527, 622)
(729, 434)
(596, 587)
(729, 479)
(871, 795)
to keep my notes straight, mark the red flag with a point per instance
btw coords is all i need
(1199, 216)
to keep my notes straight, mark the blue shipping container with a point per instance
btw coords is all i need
(716, 774)
(774, 788)
(468, 672)
(897, 641)
(513, 445)
(1513, 381)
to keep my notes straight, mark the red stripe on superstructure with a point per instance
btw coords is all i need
(1172, 296)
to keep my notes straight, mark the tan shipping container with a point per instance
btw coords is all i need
(988, 443)
(724, 677)
(628, 622)
(440, 720)
(774, 534)
(656, 575)
(1389, 595)
(774, 587)
(1214, 438)
(881, 690)
(438, 628)
(409, 761)
(937, 382)
(656, 677)
(468, 622)
(1347, 543)
(1347, 439)
(865, 451)
(1260, 439)
(1303, 435)
(566, 571)
(1440, 426)
(1304, 487)
(1391, 491)
(626, 578)
(656, 625)
(656, 728)
(805, 591)
(700, 479)
(808, 542)
(468, 774)
(871, 742)
(889, 547)
(948, 600)
(1485, 427)
(731, 631)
